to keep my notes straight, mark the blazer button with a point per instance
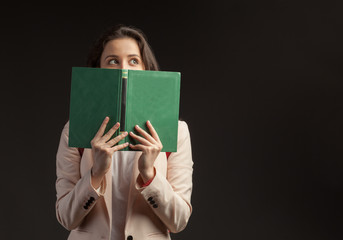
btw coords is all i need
(91, 199)
(150, 199)
(85, 207)
(155, 206)
(129, 238)
(152, 202)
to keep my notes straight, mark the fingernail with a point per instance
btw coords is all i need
(124, 133)
(137, 126)
(117, 124)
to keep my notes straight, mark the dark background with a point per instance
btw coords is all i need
(261, 93)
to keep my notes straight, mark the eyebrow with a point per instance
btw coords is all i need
(130, 55)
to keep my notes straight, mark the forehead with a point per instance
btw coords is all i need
(122, 47)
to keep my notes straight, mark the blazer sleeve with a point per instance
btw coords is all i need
(75, 194)
(170, 197)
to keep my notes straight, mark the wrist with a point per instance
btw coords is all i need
(147, 183)
(96, 179)
(147, 175)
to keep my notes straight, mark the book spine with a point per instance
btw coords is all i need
(123, 100)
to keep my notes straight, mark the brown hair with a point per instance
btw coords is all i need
(122, 31)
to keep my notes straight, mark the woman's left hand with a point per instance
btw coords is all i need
(151, 146)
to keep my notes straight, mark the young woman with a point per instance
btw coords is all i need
(103, 193)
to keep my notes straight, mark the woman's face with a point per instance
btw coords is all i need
(122, 53)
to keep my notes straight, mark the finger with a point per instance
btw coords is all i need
(144, 134)
(117, 139)
(110, 132)
(102, 128)
(153, 131)
(119, 147)
(138, 147)
(140, 139)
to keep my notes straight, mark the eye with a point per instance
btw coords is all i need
(113, 62)
(134, 61)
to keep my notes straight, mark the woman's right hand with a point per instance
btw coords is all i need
(103, 149)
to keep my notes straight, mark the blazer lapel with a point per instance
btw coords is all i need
(86, 164)
(108, 193)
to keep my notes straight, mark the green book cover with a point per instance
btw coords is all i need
(130, 97)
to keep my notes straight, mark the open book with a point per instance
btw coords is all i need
(130, 97)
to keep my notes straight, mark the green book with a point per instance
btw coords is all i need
(130, 97)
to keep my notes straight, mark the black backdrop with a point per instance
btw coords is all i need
(261, 93)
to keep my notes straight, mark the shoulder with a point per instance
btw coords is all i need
(65, 129)
(66, 126)
(183, 126)
(65, 132)
(183, 130)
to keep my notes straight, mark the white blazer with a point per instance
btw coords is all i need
(152, 211)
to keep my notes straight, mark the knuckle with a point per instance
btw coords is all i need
(151, 149)
(156, 148)
(95, 145)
